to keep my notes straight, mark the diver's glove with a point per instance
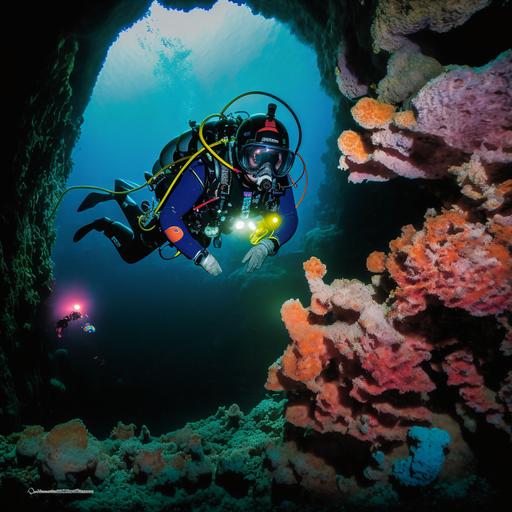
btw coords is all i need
(257, 254)
(208, 262)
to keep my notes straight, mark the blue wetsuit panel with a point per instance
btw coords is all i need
(289, 217)
(180, 201)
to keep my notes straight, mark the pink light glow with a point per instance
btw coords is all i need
(70, 298)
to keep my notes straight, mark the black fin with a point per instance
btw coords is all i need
(93, 199)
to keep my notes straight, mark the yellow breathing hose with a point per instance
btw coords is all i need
(171, 186)
(113, 192)
(209, 148)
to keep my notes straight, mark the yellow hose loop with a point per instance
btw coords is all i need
(171, 186)
(208, 147)
(139, 222)
(181, 171)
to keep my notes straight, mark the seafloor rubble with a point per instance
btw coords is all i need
(234, 461)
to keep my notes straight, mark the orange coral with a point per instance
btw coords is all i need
(376, 262)
(462, 263)
(351, 144)
(314, 268)
(370, 113)
(340, 367)
(405, 119)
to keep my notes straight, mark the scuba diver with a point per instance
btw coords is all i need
(219, 192)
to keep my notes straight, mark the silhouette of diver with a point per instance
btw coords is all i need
(64, 322)
(210, 199)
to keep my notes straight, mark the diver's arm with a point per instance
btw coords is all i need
(289, 220)
(181, 200)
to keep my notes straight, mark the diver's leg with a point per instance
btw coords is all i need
(130, 208)
(94, 198)
(130, 248)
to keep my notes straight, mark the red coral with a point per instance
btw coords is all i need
(462, 372)
(348, 370)
(459, 262)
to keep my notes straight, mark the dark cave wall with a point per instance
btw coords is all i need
(53, 67)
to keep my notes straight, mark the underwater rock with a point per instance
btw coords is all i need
(348, 366)
(378, 468)
(67, 451)
(260, 465)
(122, 431)
(394, 20)
(424, 464)
(57, 384)
(30, 441)
(459, 120)
(463, 264)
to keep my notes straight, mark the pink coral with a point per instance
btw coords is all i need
(461, 121)
(348, 83)
(353, 366)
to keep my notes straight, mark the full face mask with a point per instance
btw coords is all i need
(264, 162)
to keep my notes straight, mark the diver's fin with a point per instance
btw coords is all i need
(93, 199)
(122, 185)
(98, 225)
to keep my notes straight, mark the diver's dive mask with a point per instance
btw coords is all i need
(257, 158)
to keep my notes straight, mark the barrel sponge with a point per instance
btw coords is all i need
(424, 464)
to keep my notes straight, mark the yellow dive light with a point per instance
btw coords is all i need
(265, 228)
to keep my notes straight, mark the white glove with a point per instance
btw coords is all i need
(257, 254)
(211, 265)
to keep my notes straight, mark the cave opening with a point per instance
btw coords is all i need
(171, 343)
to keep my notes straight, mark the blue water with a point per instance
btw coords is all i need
(172, 342)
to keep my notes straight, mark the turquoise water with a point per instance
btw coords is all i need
(173, 343)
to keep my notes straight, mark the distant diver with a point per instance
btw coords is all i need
(61, 324)
(243, 184)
